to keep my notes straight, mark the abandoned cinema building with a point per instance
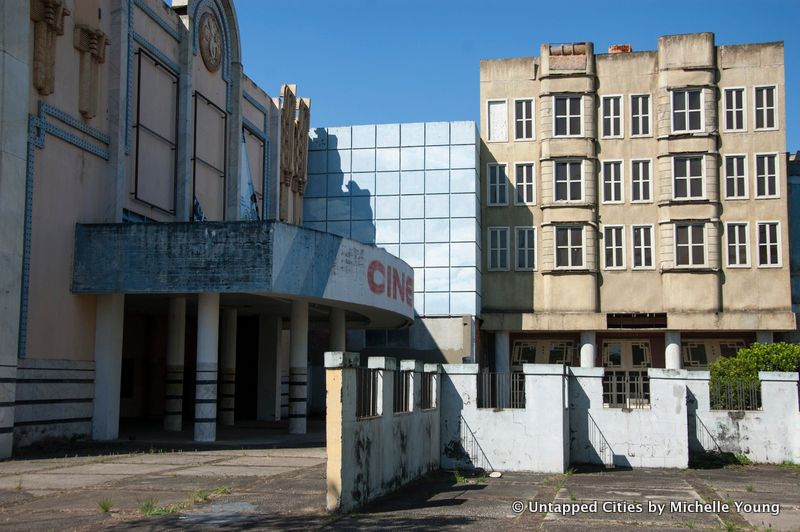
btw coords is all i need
(179, 247)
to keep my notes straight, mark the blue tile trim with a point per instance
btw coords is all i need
(264, 137)
(158, 54)
(255, 103)
(166, 26)
(254, 129)
(38, 128)
(129, 95)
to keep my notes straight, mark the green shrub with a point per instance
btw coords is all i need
(734, 381)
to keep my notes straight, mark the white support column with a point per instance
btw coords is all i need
(298, 368)
(268, 393)
(338, 330)
(176, 344)
(764, 337)
(502, 352)
(109, 321)
(672, 350)
(227, 372)
(205, 409)
(588, 349)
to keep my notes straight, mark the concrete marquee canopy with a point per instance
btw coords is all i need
(262, 259)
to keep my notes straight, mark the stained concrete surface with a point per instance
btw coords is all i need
(284, 489)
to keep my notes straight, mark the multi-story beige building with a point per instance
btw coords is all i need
(634, 207)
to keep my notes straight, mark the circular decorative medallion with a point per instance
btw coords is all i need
(210, 42)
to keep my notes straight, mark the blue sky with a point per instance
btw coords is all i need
(380, 61)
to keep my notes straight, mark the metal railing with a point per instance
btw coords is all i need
(735, 395)
(501, 390)
(402, 391)
(367, 392)
(428, 390)
(626, 389)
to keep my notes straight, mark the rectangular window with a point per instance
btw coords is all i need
(738, 252)
(735, 176)
(642, 246)
(568, 181)
(688, 178)
(569, 247)
(568, 116)
(523, 119)
(614, 239)
(612, 182)
(498, 184)
(640, 115)
(498, 248)
(690, 245)
(497, 119)
(766, 176)
(734, 110)
(525, 184)
(403, 391)
(612, 116)
(526, 248)
(640, 181)
(687, 114)
(765, 108)
(769, 244)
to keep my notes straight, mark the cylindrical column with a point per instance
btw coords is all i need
(176, 343)
(764, 337)
(338, 330)
(298, 367)
(109, 321)
(227, 372)
(588, 349)
(502, 352)
(205, 405)
(672, 350)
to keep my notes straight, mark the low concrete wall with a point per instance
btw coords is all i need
(533, 438)
(640, 437)
(374, 456)
(770, 435)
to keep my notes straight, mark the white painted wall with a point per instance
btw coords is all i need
(646, 437)
(770, 435)
(375, 456)
(528, 439)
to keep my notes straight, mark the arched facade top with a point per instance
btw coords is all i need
(225, 13)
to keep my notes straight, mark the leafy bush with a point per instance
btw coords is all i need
(734, 380)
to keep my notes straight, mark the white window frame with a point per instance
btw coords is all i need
(529, 268)
(580, 108)
(779, 243)
(489, 231)
(702, 111)
(705, 245)
(727, 242)
(746, 178)
(755, 107)
(652, 229)
(621, 164)
(583, 181)
(569, 246)
(489, 167)
(533, 183)
(649, 116)
(725, 110)
(621, 245)
(489, 120)
(649, 180)
(532, 119)
(606, 134)
(777, 175)
(688, 187)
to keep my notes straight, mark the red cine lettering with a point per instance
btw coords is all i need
(376, 267)
(384, 278)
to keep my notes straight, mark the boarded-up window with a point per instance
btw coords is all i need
(498, 120)
(209, 157)
(156, 133)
